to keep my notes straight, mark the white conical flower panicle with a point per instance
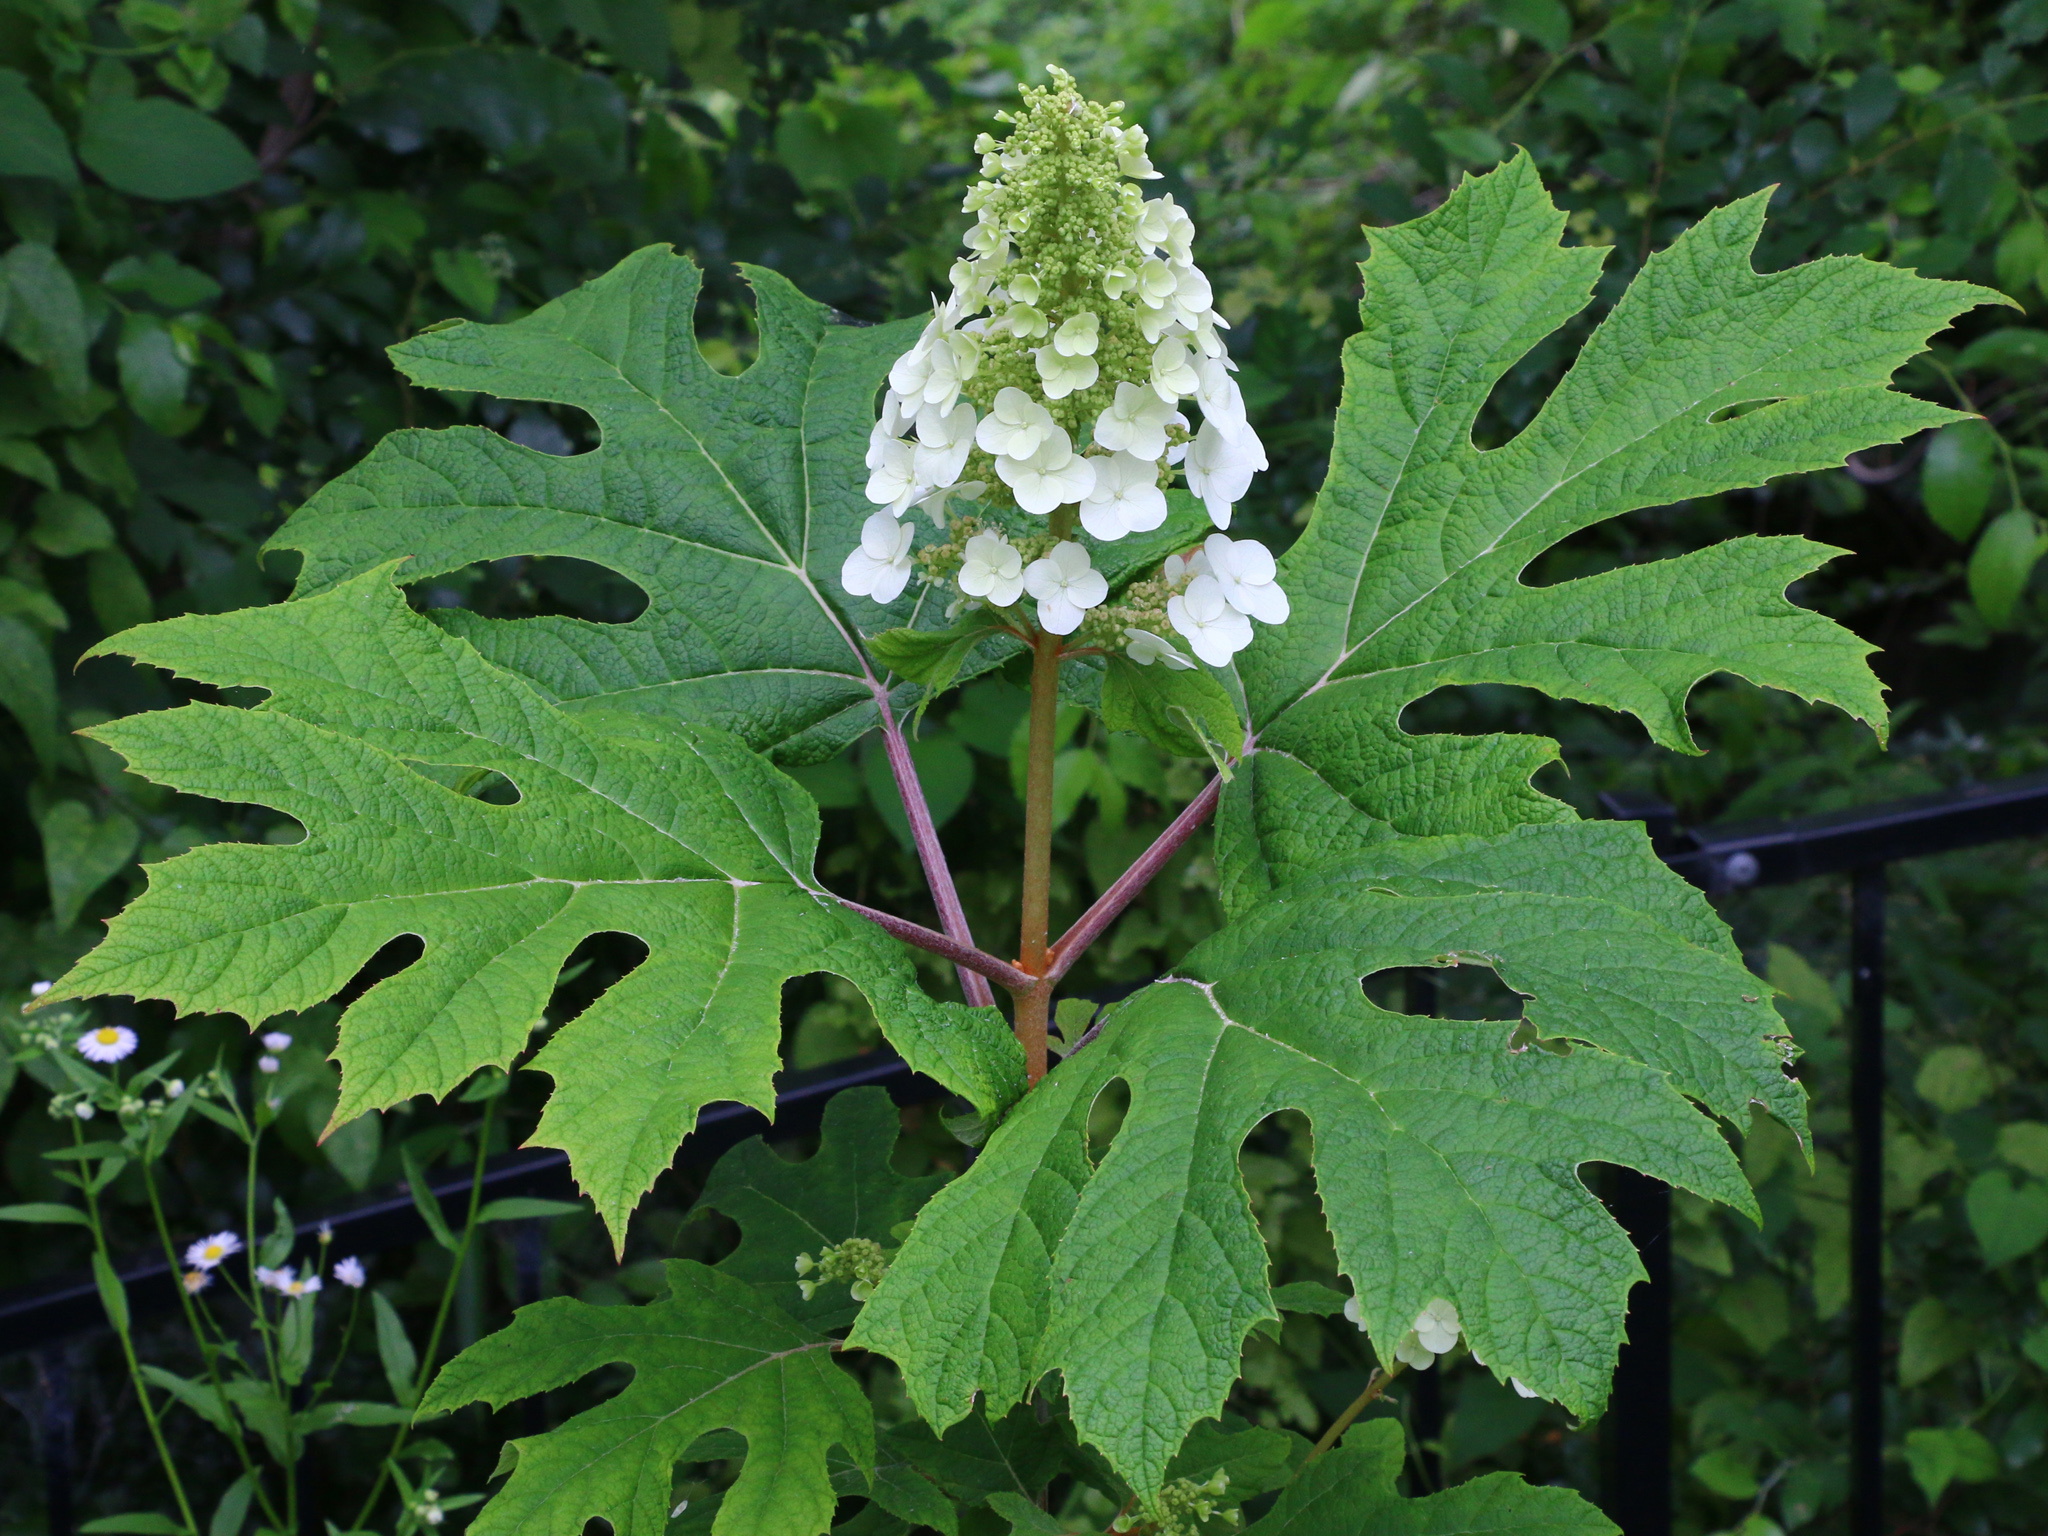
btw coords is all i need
(1058, 379)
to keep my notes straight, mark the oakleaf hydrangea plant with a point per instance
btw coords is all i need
(864, 519)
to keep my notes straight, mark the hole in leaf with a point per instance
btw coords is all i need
(395, 956)
(484, 784)
(1106, 1118)
(560, 430)
(1741, 408)
(591, 969)
(1519, 393)
(533, 586)
(1467, 991)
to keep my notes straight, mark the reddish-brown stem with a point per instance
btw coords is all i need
(1109, 906)
(952, 916)
(978, 963)
(1030, 1019)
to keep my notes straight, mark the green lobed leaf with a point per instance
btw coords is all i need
(711, 1355)
(1446, 1150)
(1186, 712)
(845, 1189)
(732, 502)
(1408, 577)
(671, 831)
(1350, 1492)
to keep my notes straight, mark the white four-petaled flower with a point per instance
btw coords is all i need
(879, 567)
(1050, 478)
(1135, 422)
(1144, 648)
(1066, 587)
(1125, 497)
(1220, 468)
(991, 568)
(1244, 569)
(1213, 629)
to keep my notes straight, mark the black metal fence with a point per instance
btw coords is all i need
(1638, 1491)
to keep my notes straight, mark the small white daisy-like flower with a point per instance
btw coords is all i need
(110, 1042)
(84, 1109)
(268, 1064)
(38, 988)
(209, 1251)
(879, 566)
(277, 1041)
(325, 1232)
(991, 568)
(272, 1279)
(299, 1285)
(349, 1272)
(1066, 587)
(195, 1280)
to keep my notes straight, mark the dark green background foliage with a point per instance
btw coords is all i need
(219, 214)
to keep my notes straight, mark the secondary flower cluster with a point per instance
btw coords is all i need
(1435, 1332)
(1051, 380)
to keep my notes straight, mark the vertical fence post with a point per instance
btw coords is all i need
(528, 1250)
(53, 1380)
(1636, 1430)
(1866, 1202)
(1638, 1419)
(1425, 1391)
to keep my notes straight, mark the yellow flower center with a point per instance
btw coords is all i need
(108, 1036)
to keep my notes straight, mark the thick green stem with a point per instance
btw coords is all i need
(1034, 933)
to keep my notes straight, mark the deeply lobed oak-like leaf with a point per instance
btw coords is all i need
(1408, 577)
(668, 830)
(1446, 1151)
(711, 1355)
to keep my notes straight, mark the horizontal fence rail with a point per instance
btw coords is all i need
(1638, 1463)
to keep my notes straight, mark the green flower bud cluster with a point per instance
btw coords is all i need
(1184, 1507)
(859, 1261)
